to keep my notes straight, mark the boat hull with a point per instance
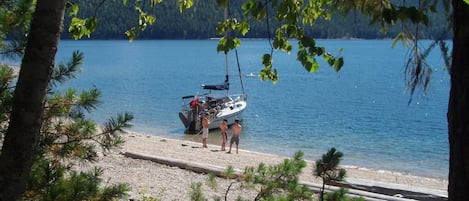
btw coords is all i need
(230, 116)
(229, 110)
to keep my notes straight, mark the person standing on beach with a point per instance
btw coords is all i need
(205, 123)
(224, 133)
(235, 132)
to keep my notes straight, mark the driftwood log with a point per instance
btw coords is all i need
(188, 165)
(368, 192)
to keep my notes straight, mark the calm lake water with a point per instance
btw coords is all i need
(362, 111)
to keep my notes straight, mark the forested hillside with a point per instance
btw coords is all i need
(200, 21)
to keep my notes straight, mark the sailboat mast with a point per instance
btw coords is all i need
(226, 56)
(226, 78)
(228, 14)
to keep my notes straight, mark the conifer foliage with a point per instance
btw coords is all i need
(275, 182)
(68, 138)
(281, 181)
(327, 168)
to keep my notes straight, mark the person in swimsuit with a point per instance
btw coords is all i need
(235, 132)
(205, 123)
(224, 133)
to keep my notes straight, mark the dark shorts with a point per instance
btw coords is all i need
(234, 139)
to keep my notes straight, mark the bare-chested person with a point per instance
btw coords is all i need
(235, 133)
(224, 133)
(205, 123)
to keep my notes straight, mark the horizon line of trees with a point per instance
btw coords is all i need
(201, 20)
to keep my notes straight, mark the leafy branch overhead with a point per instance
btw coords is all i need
(80, 27)
(144, 19)
(411, 17)
(291, 31)
(228, 42)
(293, 16)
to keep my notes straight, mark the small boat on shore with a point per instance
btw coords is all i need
(219, 107)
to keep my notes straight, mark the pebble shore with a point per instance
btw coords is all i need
(150, 179)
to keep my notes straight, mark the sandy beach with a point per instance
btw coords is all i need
(165, 182)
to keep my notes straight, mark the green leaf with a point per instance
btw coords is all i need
(81, 27)
(338, 64)
(221, 45)
(399, 37)
(132, 33)
(232, 24)
(266, 59)
(91, 24)
(226, 44)
(308, 42)
(256, 9)
(230, 43)
(154, 2)
(222, 27)
(329, 59)
(236, 43)
(320, 51)
(308, 66)
(185, 4)
(291, 30)
(268, 74)
(243, 27)
(74, 7)
(248, 6)
(144, 19)
(467, 1)
(315, 66)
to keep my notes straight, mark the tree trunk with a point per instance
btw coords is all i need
(22, 136)
(458, 108)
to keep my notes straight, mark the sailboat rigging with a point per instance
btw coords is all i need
(219, 106)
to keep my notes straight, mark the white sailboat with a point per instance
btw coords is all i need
(219, 105)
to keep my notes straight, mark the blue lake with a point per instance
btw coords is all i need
(362, 111)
